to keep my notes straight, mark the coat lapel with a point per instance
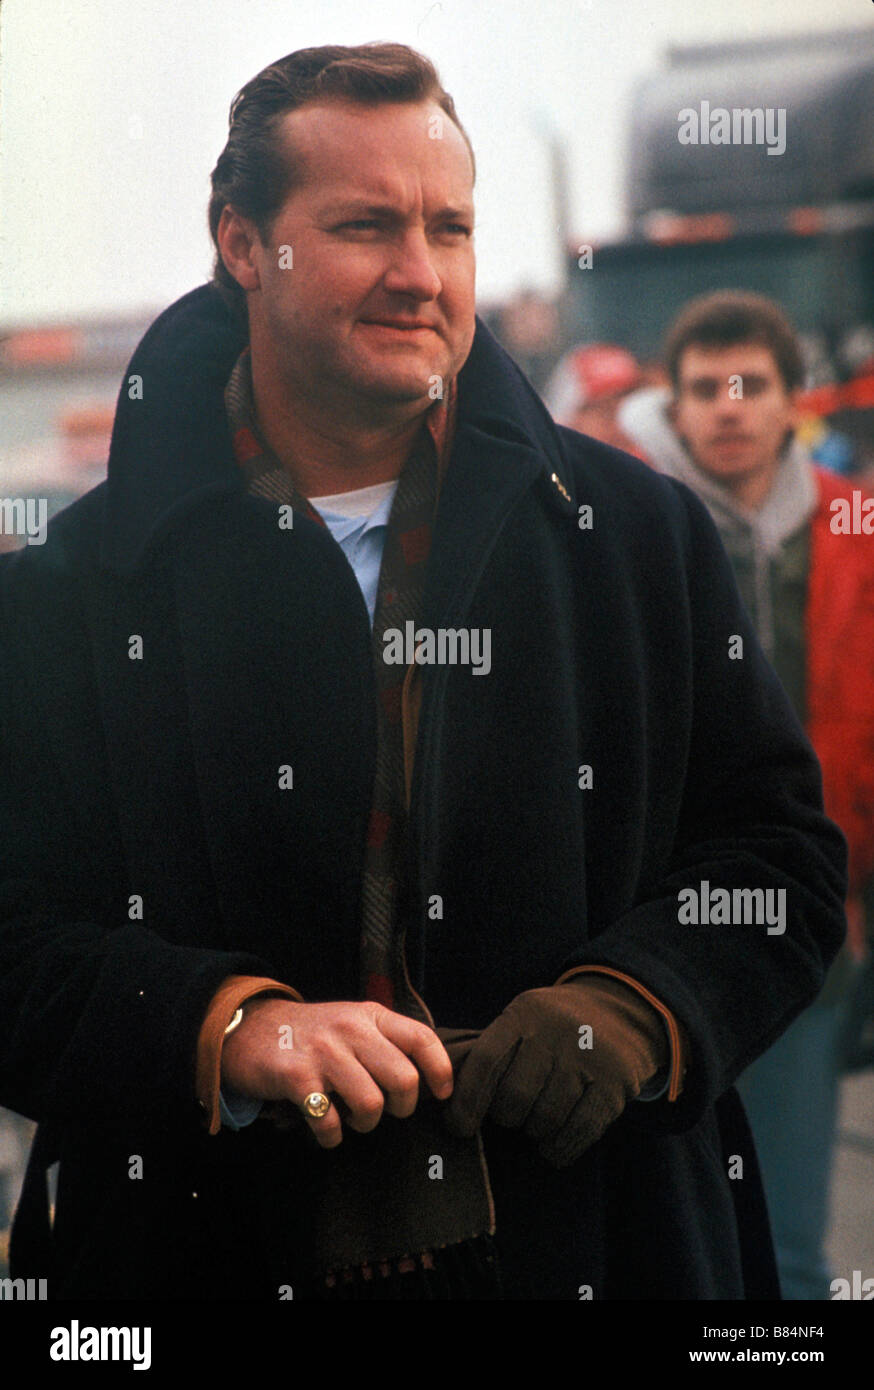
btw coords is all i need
(256, 658)
(486, 477)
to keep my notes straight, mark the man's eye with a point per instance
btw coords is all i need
(360, 222)
(459, 227)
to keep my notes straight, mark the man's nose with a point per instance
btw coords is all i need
(412, 270)
(729, 400)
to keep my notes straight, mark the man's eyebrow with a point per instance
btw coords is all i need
(357, 208)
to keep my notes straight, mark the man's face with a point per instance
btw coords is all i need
(732, 410)
(380, 296)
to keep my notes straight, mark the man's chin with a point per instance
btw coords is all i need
(731, 467)
(400, 388)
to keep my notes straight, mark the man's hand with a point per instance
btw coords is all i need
(561, 1063)
(363, 1053)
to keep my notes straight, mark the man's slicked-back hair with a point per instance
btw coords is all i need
(727, 318)
(255, 171)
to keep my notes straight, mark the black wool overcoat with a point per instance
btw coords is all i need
(158, 779)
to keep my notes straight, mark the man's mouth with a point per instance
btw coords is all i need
(401, 325)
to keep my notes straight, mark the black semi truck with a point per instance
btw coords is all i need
(714, 202)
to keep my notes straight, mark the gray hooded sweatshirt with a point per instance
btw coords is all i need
(769, 548)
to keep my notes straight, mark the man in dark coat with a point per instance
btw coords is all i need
(278, 841)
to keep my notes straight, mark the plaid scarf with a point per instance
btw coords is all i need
(383, 971)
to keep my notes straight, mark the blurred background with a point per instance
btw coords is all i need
(594, 226)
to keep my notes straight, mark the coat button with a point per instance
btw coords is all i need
(561, 487)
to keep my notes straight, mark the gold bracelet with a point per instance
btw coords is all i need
(235, 1021)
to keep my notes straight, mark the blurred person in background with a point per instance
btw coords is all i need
(528, 326)
(587, 388)
(728, 429)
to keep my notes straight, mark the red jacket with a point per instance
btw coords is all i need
(839, 639)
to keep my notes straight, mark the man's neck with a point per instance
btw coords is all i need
(750, 492)
(325, 456)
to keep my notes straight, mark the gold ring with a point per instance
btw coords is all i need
(316, 1105)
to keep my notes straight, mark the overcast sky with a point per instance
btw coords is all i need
(112, 114)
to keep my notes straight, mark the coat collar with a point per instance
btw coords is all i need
(171, 447)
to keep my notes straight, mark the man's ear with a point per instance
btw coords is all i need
(792, 422)
(794, 411)
(672, 410)
(238, 241)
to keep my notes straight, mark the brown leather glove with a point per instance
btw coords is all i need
(532, 1069)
